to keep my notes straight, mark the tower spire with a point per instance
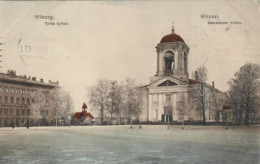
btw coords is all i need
(173, 30)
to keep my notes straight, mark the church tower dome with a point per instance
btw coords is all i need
(171, 38)
(172, 57)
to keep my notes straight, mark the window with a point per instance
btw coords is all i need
(0, 111)
(17, 112)
(0, 99)
(1, 88)
(17, 100)
(28, 112)
(18, 90)
(12, 100)
(6, 99)
(12, 90)
(168, 97)
(11, 111)
(23, 101)
(6, 89)
(28, 101)
(6, 111)
(22, 112)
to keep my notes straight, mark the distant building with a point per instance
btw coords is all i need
(16, 97)
(170, 88)
(83, 116)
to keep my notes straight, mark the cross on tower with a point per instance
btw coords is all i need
(173, 27)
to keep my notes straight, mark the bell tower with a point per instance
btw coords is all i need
(172, 57)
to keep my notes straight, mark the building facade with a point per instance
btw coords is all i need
(17, 96)
(168, 96)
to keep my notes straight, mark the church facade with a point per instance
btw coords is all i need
(168, 95)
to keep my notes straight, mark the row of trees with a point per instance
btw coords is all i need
(120, 99)
(59, 103)
(244, 94)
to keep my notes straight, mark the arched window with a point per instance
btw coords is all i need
(168, 62)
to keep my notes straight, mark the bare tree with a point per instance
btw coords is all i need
(63, 105)
(244, 92)
(99, 96)
(182, 108)
(131, 100)
(115, 99)
(198, 91)
(38, 106)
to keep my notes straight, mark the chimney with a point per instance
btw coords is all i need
(34, 78)
(213, 84)
(41, 80)
(197, 76)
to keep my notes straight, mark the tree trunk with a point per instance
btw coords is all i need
(140, 124)
(202, 102)
(131, 122)
(183, 123)
(101, 114)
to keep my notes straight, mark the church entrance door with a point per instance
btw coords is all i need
(167, 114)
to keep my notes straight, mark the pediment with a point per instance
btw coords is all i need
(166, 81)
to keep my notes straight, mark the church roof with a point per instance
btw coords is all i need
(171, 38)
(84, 114)
(191, 81)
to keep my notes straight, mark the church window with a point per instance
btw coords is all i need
(185, 63)
(168, 97)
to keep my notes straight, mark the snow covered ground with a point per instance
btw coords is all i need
(120, 144)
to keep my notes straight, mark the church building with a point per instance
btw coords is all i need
(168, 95)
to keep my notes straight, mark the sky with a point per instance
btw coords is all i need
(117, 39)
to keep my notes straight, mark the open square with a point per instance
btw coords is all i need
(120, 144)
